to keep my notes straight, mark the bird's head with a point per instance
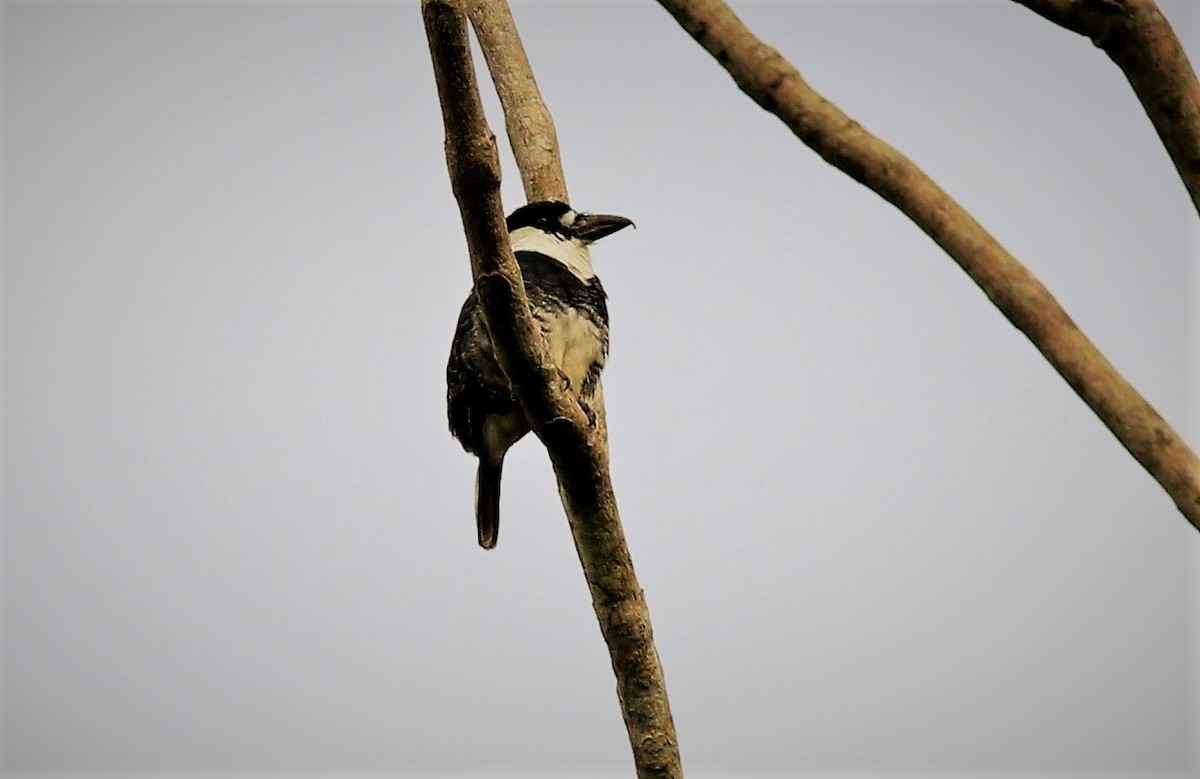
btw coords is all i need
(565, 223)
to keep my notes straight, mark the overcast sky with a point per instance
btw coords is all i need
(875, 529)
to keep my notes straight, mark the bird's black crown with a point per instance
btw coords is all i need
(556, 218)
(544, 214)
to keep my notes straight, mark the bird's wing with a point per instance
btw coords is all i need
(475, 385)
(463, 380)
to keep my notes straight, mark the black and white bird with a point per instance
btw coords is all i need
(550, 241)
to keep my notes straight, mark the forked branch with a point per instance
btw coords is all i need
(578, 450)
(772, 82)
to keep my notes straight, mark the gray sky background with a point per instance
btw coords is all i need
(874, 527)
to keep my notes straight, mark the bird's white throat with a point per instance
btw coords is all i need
(570, 253)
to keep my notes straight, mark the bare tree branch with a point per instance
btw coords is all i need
(578, 451)
(1139, 39)
(529, 124)
(772, 82)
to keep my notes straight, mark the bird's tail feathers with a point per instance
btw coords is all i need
(487, 502)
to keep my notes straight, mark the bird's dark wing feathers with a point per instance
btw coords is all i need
(475, 385)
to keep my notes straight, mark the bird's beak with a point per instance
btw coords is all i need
(593, 227)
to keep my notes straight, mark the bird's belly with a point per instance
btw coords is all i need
(575, 343)
(501, 432)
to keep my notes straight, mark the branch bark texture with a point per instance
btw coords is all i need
(1140, 40)
(578, 450)
(526, 118)
(772, 82)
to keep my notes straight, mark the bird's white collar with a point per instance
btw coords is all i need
(570, 252)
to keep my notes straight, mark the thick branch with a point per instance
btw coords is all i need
(1139, 39)
(475, 178)
(773, 83)
(577, 450)
(528, 121)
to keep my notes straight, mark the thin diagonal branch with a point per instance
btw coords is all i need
(772, 82)
(1139, 39)
(578, 450)
(526, 118)
(528, 121)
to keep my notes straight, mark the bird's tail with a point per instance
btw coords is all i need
(487, 502)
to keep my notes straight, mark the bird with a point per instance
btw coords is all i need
(550, 241)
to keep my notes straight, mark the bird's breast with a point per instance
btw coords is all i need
(575, 340)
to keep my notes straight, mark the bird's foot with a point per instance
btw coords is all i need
(591, 415)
